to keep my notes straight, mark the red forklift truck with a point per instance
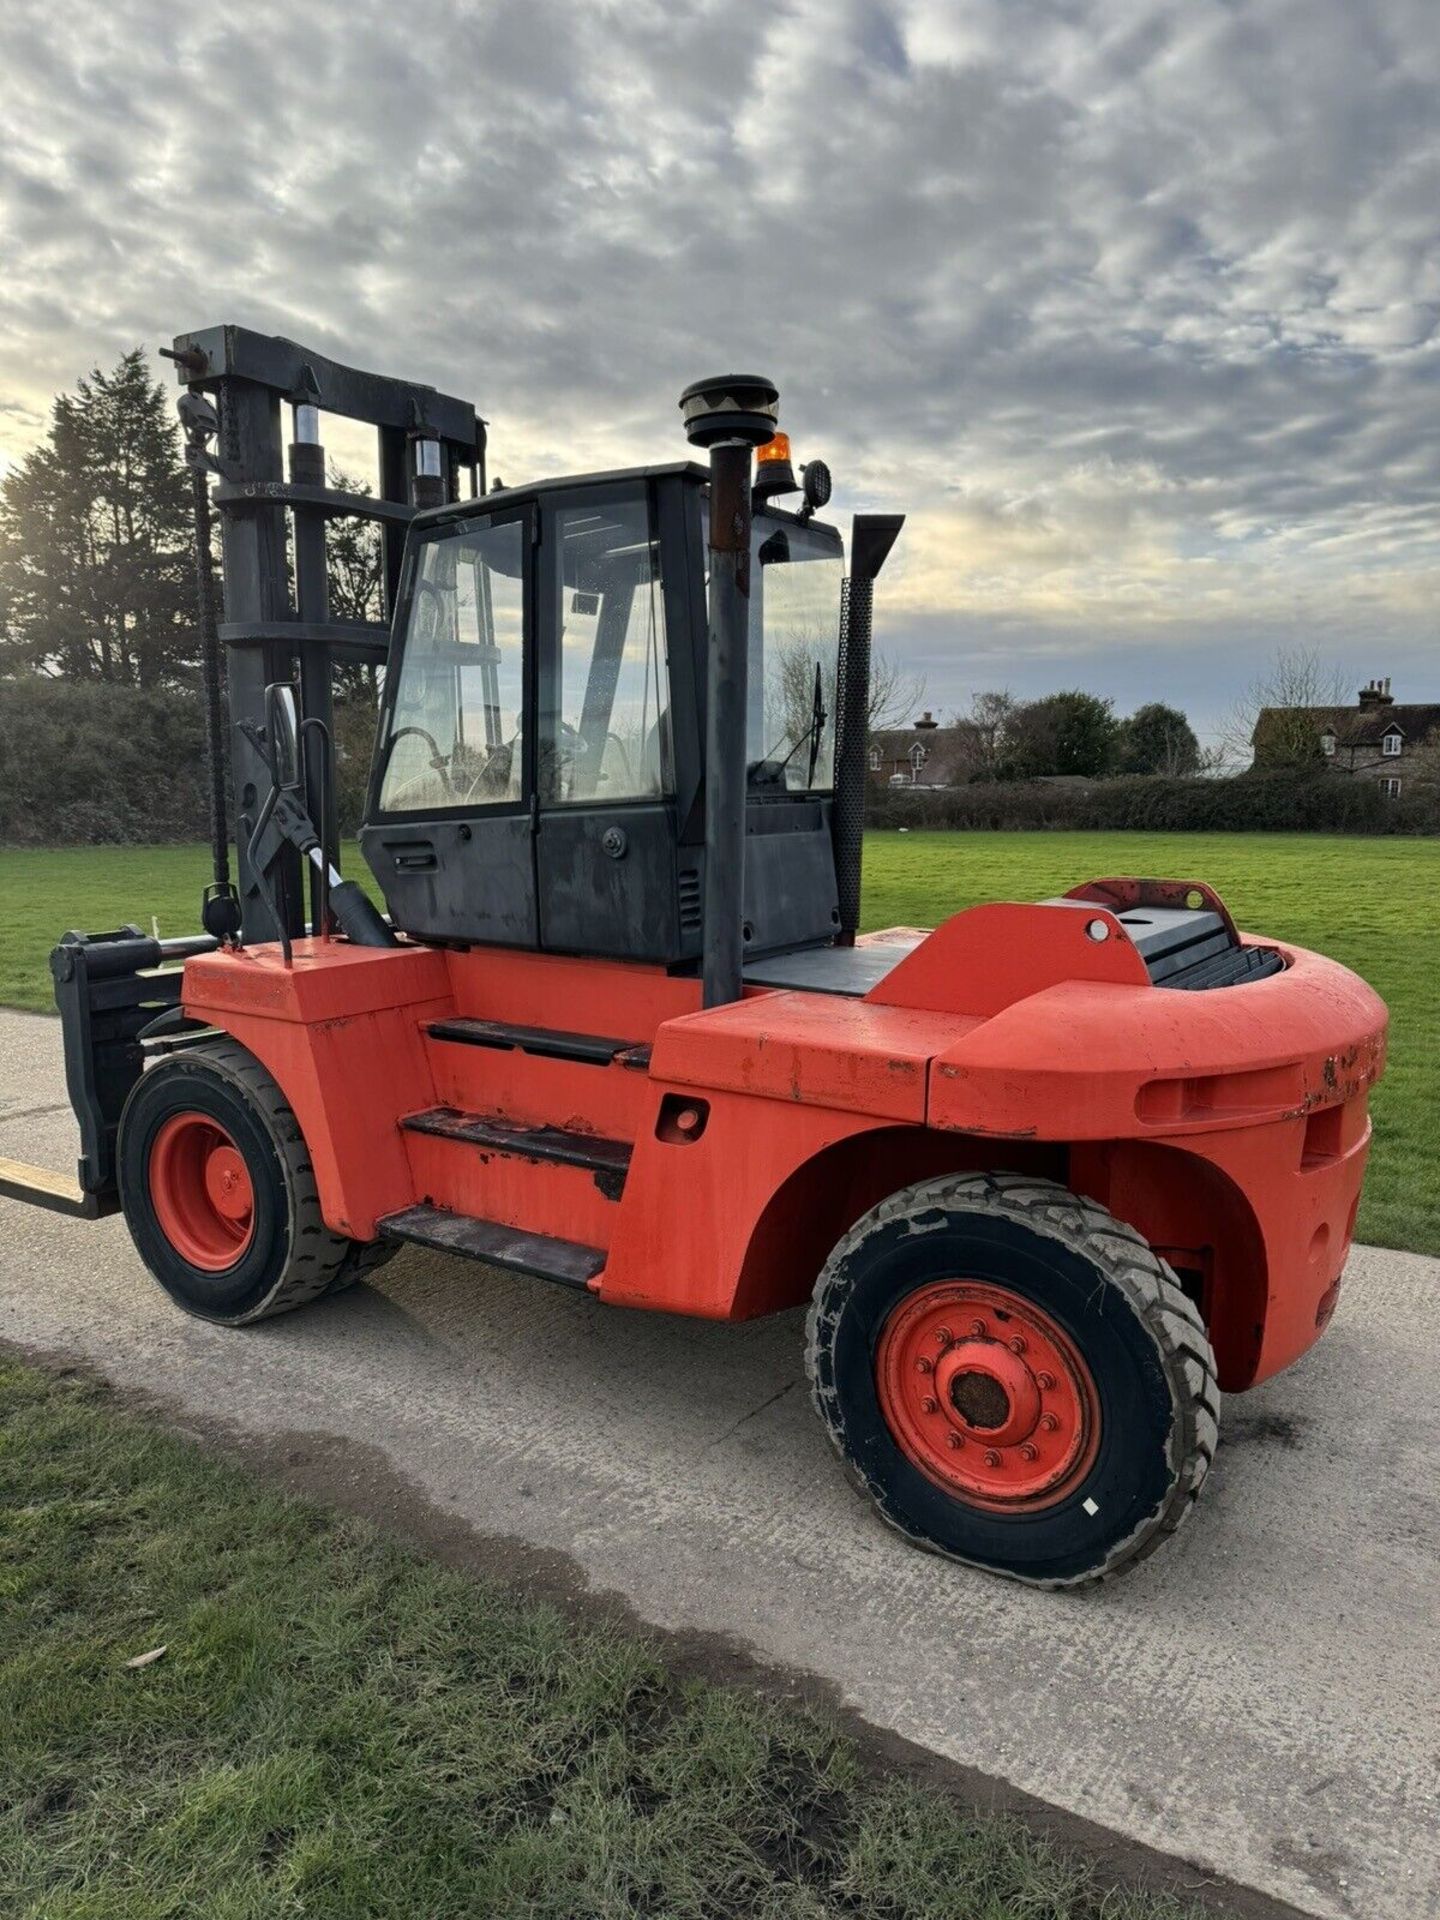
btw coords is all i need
(1050, 1177)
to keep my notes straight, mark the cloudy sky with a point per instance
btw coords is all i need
(1132, 306)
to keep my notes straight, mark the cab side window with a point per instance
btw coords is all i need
(606, 735)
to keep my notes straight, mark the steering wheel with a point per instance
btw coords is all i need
(437, 759)
(564, 756)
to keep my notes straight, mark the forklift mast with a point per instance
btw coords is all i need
(276, 610)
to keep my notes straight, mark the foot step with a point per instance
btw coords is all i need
(609, 1160)
(564, 1261)
(590, 1048)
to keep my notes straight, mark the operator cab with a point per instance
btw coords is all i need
(539, 771)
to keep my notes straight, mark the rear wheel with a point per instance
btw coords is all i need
(1014, 1377)
(219, 1194)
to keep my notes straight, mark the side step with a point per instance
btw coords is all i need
(590, 1048)
(608, 1160)
(564, 1261)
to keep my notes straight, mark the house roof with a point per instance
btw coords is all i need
(1362, 726)
(949, 751)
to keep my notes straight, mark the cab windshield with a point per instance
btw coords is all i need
(795, 581)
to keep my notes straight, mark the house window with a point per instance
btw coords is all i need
(1390, 746)
(1327, 745)
(874, 759)
(918, 756)
(1390, 787)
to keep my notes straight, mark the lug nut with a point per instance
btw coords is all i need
(1049, 1422)
(977, 1326)
(957, 1440)
(1017, 1345)
(922, 1365)
(944, 1336)
(1044, 1381)
(1027, 1452)
(992, 1459)
(927, 1405)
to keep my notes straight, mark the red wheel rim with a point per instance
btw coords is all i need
(987, 1395)
(201, 1191)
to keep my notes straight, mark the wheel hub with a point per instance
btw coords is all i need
(201, 1190)
(987, 1391)
(986, 1394)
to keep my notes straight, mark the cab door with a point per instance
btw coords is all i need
(607, 733)
(450, 832)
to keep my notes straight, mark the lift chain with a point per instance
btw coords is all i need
(220, 909)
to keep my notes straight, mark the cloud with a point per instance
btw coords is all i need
(1136, 307)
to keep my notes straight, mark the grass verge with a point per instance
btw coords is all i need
(340, 1728)
(1367, 902)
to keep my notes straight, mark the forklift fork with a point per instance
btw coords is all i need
(115, 994)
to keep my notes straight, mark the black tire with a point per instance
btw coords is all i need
(1150, 1369)
(362, 1258)
(292, 1257)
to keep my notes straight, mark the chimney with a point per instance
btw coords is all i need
(1376, 693)
(927, 723)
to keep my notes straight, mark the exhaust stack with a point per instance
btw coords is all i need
(729, 416)
(871, 538)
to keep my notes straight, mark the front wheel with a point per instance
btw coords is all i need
(219, 1194)
(1014, 1377)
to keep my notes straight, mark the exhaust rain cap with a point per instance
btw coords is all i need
(740, 408)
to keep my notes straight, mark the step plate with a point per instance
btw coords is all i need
(552, 1042)
(565, 1146)
(564, 1261)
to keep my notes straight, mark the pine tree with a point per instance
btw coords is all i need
(94, 533)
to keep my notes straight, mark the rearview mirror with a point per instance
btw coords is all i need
(282, 724)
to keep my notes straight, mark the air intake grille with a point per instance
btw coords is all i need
(689, 894)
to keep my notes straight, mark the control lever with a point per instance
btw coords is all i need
(283, 818)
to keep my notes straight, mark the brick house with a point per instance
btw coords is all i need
(1373, 740)
(924, 754)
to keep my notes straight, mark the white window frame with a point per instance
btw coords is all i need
(1390, 786)
(876, 759)
(1390, 746)
(1327, 744)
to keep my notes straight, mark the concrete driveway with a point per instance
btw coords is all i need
(1258, 1698)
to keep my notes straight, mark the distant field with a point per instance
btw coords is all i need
(1370, 903)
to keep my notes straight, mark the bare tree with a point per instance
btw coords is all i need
(895, 694)
(789, 699)
(1275, 722)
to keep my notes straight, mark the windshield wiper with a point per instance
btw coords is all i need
(812, 733)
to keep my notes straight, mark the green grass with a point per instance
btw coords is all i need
(339, 1729)
(1371, 903)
